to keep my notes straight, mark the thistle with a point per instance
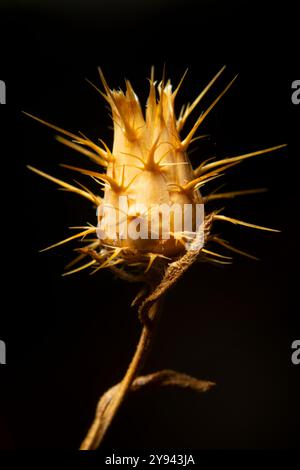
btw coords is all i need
(147, 178)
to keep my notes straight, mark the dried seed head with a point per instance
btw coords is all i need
(151, 169)
(152, 209)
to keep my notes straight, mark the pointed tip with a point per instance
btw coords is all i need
(186, 142)
(104, 82)
(163, 78)
(35, 170)
(244, 224)
(175, 92)
(27, 114)
(129, 90)
(63, 184)
(152, 73)
(87, 265)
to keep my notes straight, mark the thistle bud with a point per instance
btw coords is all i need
(152, 208)
(148, 202)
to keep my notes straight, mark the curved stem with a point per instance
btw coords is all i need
(104, 418)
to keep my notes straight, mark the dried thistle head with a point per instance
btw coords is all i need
(149, 167)
(147, 180)
(147, 171)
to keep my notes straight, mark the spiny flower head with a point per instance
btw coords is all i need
(150, 167)
(148, 170)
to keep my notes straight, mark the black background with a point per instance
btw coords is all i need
(69, 339)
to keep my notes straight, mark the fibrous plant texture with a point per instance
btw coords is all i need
(152, 221)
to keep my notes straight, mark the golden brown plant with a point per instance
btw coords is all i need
(148, 165)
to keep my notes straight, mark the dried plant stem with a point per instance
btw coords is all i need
(149, 309)
(105, 414)
(163, 378)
